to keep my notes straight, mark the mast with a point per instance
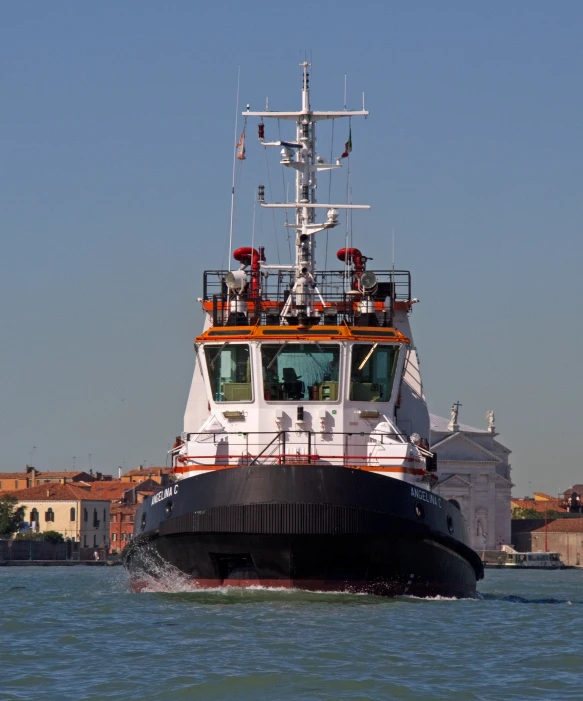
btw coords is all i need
(301, 155)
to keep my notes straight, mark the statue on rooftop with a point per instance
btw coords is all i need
(491, 420)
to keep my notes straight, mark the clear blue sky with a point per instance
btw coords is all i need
(116, 137)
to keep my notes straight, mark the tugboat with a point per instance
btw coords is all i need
(304, 459)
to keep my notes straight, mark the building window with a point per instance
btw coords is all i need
(131, 518)
(114, 536)
(94, 541)
(0, 485)
(34, 518)
(84, 541)
(49, 515)
(95, 519)
(104, 516)
(85, 515)
(72, 514)
(15, 484)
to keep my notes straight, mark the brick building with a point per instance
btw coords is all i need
(31, 477)
(124, 497)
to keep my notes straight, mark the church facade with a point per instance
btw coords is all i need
(473, 468)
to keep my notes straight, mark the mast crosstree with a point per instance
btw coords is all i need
(300, 155)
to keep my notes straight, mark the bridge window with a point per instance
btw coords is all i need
(300, 371)
(372, 372)
(229, 369)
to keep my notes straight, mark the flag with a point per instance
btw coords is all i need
(347, 145)
(241, 147)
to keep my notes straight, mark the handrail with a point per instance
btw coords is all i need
(264, 449)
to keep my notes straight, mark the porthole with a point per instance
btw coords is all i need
(419, 512)
(168, 509)
(450, 524)
(143, 524)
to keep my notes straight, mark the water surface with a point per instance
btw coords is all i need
(79, 634)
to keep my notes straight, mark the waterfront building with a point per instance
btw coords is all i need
(140, 474)
(31, 477)
(124, 497)
(71, 510)
(473, 469)
(562, 535)
(539, 503)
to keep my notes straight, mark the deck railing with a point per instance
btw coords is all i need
(300, 446)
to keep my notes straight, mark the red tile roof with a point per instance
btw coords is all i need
(116, 489)
(55, 492)
(562, 525)
(540, 506)
(46, 474)
(148, 471)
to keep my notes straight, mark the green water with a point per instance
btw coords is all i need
(78, 633)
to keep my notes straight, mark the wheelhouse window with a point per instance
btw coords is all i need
(300, 371)
(229, 370)
(372, 372)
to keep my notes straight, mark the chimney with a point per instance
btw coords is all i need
(48, 493)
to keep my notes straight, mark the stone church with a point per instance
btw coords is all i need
(473, 468)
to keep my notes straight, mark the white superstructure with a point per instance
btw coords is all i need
(297, 365)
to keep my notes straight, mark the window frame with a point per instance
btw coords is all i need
(339, 347)
(213, 392)
(373, 345)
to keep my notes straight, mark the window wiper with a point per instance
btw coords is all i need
(214, 360)
(365, 361)
(276, 356)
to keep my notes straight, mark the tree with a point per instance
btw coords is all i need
(53, 537)
(521, 513)
(50, 536)
(11, 516)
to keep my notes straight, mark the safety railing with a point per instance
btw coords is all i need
(334, 295)
(301, 446)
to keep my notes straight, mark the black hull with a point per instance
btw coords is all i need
(308, 527)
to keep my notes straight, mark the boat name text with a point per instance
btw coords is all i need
(423, 495)
(168, 492)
